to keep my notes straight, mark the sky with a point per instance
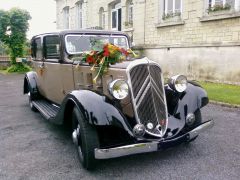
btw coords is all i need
(43, 13)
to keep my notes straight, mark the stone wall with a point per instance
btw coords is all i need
(72, 13)
(219, 64)
(195, 26)
(201, 45)
(198, 43)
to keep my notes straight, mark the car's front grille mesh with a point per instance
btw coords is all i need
(138, 75)
(148, 95)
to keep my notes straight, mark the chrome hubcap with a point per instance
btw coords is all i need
(77, 141)
(75, 135)
(30, 102)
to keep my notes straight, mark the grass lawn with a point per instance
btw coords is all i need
(222, 92)
(3, 72)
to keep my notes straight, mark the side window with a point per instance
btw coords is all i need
(36, 49)
(51, 47)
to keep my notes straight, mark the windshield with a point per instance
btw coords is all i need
(79, 43)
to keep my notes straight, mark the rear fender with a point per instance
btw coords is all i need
(30, 83)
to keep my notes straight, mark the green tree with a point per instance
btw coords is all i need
(13, 28)
(3, 49)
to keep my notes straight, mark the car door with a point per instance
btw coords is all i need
(37, 64)
(51, 69)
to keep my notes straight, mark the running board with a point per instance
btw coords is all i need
(47, 109)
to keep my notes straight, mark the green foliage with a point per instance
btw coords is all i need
(13, 28)
(3, 68)
(18, 67)
(170, 15)
(4, 50)
(222, 92)
(219, 8)
(4, 25)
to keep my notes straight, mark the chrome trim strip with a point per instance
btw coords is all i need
(130, 66)
(126, 150)
(145, 147)
(143, 88)
(195, 132)
(142, 96)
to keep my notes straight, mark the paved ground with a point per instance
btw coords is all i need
(32, 148)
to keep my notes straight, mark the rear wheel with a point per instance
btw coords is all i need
(85, 138)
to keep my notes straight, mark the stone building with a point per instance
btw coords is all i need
(198, 38)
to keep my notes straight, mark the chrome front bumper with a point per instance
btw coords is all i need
(151, 146)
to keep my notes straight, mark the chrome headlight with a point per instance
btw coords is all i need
(118, 88)
(178, 83)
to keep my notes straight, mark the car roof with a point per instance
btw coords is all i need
(82, 31)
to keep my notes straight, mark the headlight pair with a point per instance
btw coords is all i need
(119, 89)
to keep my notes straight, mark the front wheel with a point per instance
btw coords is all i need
(85, 138)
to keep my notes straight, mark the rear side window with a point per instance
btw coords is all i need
(37, 49)
(51, 47)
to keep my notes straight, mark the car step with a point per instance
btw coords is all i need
(47, 109)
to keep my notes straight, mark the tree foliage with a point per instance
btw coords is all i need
(13, 28)
(3, 49)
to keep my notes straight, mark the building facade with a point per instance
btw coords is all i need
(198, 38)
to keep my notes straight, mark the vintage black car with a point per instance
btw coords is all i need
(128, 110)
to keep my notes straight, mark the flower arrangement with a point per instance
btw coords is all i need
(100, 58)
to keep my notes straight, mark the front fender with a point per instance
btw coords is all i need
(97, 109)
(181, 104)
(30, 83)
(195, 97)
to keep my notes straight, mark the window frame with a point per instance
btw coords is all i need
(90, 35)
(35, 49)
(79, 14)
(165, 8)
(101, 18)
(116, 8)
(114, 11)
(211, 4)
(130, 11)
(66, 17)
(53, 58)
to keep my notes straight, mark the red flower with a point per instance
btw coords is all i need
(124, 52)
(106, 51)
(90, 59)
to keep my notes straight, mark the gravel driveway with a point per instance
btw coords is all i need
(32, 148)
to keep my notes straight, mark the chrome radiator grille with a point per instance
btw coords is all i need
(149, 97)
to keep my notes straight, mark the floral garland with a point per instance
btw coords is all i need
(109, 54)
